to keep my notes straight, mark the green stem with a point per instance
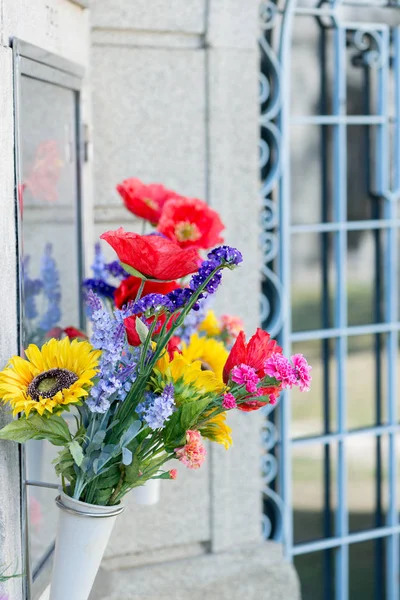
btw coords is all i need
(117, 490)
(140, 290)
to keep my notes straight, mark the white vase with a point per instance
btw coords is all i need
(149, 493)
(83, 532)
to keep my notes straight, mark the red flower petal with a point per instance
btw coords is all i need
(131, 333)
(259, 348)
(237, 355)
(152, 255)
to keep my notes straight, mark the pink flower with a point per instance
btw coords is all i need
(273, 398)
(245, 375)
(298, 373)
(173, 473)
(229, 401)
(193, 454)
(280, 367)
(302, 370)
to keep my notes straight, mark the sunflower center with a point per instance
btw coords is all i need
(205, 366)
(49, 383)
(185, 231)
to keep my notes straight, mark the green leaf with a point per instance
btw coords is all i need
(133, 271)
(130, 434)
(186, 417)
(54, 429)
(76, 452)
(142, 330)
(191, 411)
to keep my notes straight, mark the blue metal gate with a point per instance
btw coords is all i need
(330, 166)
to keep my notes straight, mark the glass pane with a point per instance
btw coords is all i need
(49, 245)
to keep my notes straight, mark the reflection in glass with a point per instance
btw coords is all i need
(47, 194)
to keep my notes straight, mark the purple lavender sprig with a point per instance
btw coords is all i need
(109, 337)
(156, 409)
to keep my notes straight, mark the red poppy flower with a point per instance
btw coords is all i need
(254, 354)
(129, 288)
(144, 201)
(191, 223)
(153, 256)
(132, 334)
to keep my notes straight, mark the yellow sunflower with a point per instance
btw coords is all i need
(210, 325)
(56, 375)
(211, 353)
(193, 380)
(218, 431)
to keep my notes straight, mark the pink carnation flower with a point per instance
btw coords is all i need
(173, 473)
(193, 454)
(298, 373)
(302, 370)
(245, 375)
(229, 401)
(280, 367)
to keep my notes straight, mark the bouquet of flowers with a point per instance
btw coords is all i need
(139, 401)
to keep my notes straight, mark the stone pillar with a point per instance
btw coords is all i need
(175, 100)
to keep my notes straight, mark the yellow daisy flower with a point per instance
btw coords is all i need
(210, 325)
(211, 353)
(190, 374)
(54, 376)
(218, 431)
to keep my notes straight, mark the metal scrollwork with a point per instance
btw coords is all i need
(271, 298)
(370, 47)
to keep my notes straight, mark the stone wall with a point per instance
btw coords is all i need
(175, 100)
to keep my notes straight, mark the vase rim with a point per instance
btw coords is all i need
(84, 509)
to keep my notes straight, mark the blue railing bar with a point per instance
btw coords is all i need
(337, 120)
(345, 226)
(351, 538)
(330, 438)
(336, 332)
(340, 311)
